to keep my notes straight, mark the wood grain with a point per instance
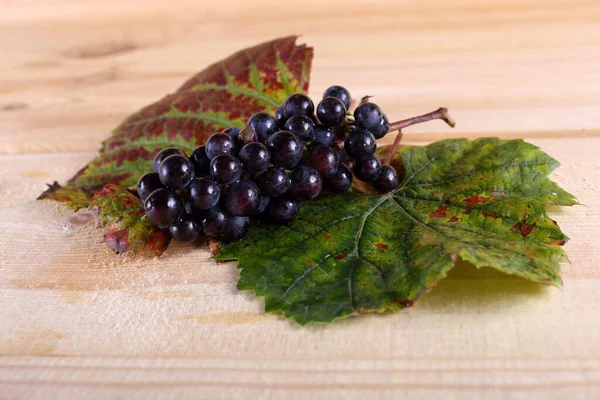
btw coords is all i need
(80, 322)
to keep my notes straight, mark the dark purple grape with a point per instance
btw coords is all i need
(339, 92)
(298, 104)
(164, 153)
(367, 170)
(233, 132)
(306, 183)
(286, 149)
(264, 202)
(147, 184)
(340, 181)
(225, 169)
(387, 180)
(245, 136)
(219, 143)
(360, 145)
(203, 193)
(200, 160)
(324, 159)
(185, 229)
(236, 229)
(283, 209)
(331, 111)
(263, 124)
(368, 115)
(279, 117)
(195, 212)
(176, 171)
(382, 128)
(216, 221)
(163, 207)
(242, 198)
(323, 135)
(274, 181)
(255, 157)
(301, 126)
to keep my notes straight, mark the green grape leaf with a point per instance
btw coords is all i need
(225, 94)
(483, 201)
(126, 227)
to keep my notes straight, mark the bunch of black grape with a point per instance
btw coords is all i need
(267, 168)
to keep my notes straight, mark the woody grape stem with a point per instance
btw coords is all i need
(441, 113)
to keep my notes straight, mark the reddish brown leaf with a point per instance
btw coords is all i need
(225, 94)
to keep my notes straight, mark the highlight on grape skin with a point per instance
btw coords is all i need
(268, 168)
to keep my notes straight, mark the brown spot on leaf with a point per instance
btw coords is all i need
(309, 261)
(382, 246)
(453, 219)
(439, 213)
(523, 227)
(327, 236)
(471, 201)
(492, 215)
(341, 256)
(405, 303)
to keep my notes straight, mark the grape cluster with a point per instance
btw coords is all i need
(267, 168)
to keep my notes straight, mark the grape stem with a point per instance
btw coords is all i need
(440, 113)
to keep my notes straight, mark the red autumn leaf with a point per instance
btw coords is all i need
(225, 94)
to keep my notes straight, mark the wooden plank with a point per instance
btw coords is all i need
(80, 322)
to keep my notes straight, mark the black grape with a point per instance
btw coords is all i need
(236, 229)
(242, 198)
(298, 104)
(263, 124)
(203, 193)
(283, 209)
(324, 159)
(339, 92)
(176, 171)
(331, 111)
(380, 130)
(219, 143)
(368, 115)
(163, 207)
(306, 183)
(245, 136)
(367, 170)
(225, 169)
(301, 126)
(387, 180)
(360, 145)
(185, 229)
(341, 180)
(286, 149)
(164, 153)
(323, 135)
(216, 221)
(147, 184)
(274, 181)
(255, 157)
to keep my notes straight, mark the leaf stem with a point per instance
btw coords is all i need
(440, 113)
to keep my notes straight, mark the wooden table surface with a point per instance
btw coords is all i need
(77, 321)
